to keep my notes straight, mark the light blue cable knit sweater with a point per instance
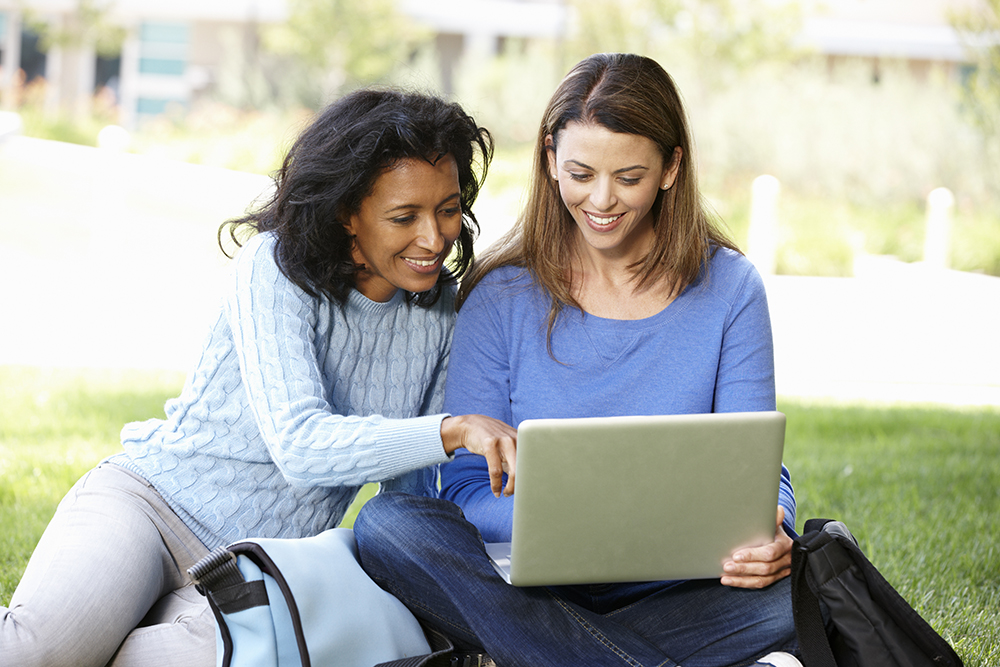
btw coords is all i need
(294, 404)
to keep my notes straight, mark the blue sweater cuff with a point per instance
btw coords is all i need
(405, 445)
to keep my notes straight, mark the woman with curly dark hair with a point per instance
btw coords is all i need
(323, 372)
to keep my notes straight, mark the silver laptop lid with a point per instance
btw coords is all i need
(602, 500)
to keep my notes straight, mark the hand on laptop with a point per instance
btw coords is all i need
(488, 437)
(761, 566)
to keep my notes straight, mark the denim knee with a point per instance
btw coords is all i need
(392, 520)
(384, 510)
(413, 524)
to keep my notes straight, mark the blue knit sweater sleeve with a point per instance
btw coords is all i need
(274, 326)
(746, 368)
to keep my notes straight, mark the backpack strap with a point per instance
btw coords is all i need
(440, 655)
(218, 578)
(217, 569)
(814, 644)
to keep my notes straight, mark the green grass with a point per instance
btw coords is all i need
(920, 488)
(54, 426)
(919, 485)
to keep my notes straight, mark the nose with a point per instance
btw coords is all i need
(431, 234)
(603, 195)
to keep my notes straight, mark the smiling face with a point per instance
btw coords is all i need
(608, 182)
(405, 228)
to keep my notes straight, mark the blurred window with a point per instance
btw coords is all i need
(163, 60)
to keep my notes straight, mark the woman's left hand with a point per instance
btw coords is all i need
(761, 566)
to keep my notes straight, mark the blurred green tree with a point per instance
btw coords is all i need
(81, 32)
(330, 46)
(87, 26)
(714, 37)
(980, 30)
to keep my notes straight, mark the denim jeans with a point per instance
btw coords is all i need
(423, 551)
(108, 584)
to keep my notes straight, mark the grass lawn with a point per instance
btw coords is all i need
(919, 486)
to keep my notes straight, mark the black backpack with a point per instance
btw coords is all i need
(871, 624)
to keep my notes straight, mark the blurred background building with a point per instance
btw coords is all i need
(146, 55)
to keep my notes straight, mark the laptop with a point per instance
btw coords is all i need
(649, 498)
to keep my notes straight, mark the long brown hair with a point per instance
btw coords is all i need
(624, 93)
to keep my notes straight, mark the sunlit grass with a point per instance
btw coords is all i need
(54, 426)
(920, 488)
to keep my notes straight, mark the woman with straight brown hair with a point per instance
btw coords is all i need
(599, 92)
(615, 294)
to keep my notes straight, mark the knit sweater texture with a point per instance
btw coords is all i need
(294, 404)
(710, 350)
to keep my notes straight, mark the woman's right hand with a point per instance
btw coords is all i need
(488, 437)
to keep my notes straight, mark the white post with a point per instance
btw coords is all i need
(54, 61)
(84, 78)
(128, 79)
(937, 238)
(114, 138)
(762, 239)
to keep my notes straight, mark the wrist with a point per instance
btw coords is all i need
(451, 434)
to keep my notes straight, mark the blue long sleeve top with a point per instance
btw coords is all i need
(710, 350)
(294, 404)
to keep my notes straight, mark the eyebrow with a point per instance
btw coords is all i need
(616, 171)
(404, 207)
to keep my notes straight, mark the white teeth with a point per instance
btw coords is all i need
(603, 222)
(422, 262)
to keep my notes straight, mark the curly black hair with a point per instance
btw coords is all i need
(333, 166)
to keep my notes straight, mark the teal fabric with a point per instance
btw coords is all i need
(347, 620)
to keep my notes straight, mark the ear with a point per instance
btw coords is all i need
(550, 154)
(670, 171)
(349, 225)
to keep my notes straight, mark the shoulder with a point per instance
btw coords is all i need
(258, 242)
(730, 276)
(258, 250)
(447, 299)
(501, 283)
(256, 272)
(730, 261)
(442, 309)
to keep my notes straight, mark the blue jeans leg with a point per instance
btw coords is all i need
(424, 552)
(703, 623)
